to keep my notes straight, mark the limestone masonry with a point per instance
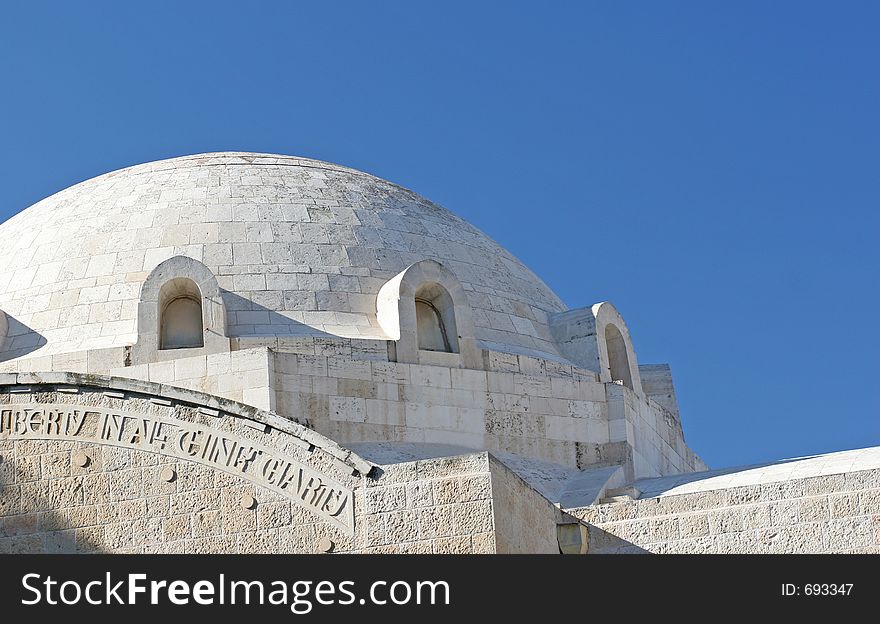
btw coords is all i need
(238, 353)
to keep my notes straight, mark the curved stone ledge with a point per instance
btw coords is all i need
(196, 399)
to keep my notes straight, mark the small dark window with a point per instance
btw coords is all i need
(430, 327)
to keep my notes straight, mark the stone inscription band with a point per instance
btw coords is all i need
(256, 463)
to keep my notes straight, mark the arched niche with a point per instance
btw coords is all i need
(618, 360)
(180, 315)
(435, 319)
(421, 303)
(596, 338)
(179, 298)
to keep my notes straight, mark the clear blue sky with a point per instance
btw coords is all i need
(710, 167)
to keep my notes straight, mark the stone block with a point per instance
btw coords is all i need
(452, 545)
(430, 376)
(207, 523)
(483, 543)
(176, 528)
(475, 487)
(756, 517)
(436, 521)
(419, 494)
(475, 517)
(25, 524)
(447, 491)
(34, 497)
(616, 512)
(814, 509)
(82, 516)
(402, 526)
(869, 502)
(844, 505)
(784, 512)
(694, 525)
(728, 520)
(373, 530)
(847, 534)
(273, 515)
(351, 409)
(384, 499)
(55, 465)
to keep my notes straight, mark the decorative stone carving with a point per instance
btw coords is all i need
(325, 545)
(267, 456)
(80, 459)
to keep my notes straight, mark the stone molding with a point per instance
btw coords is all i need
(222, 407)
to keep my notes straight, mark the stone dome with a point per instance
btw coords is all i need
(298, 247)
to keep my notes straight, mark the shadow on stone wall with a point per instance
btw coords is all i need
(20, 340)
(257, 316)
(604, 543)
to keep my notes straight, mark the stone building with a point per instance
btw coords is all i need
(255, 353)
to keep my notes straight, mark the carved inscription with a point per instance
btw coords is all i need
(257, 463)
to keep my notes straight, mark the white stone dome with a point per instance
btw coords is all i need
(298, 246)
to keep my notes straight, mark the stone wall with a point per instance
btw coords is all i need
(349, 391)
(532, 407)
(838, 513)
(519, 406)
(92, 361)
(652, 432)
(132, 467)
(525, 521)
(60, 491)
(246, 376)
(120, 503)
(440, 506)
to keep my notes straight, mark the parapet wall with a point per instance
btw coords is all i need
(535, 408)
(838, 513)
(349, 391)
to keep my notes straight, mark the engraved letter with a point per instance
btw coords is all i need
(339, 501)
(75, 421)
(53, 422)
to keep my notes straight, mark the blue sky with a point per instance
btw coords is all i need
(710, 167)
